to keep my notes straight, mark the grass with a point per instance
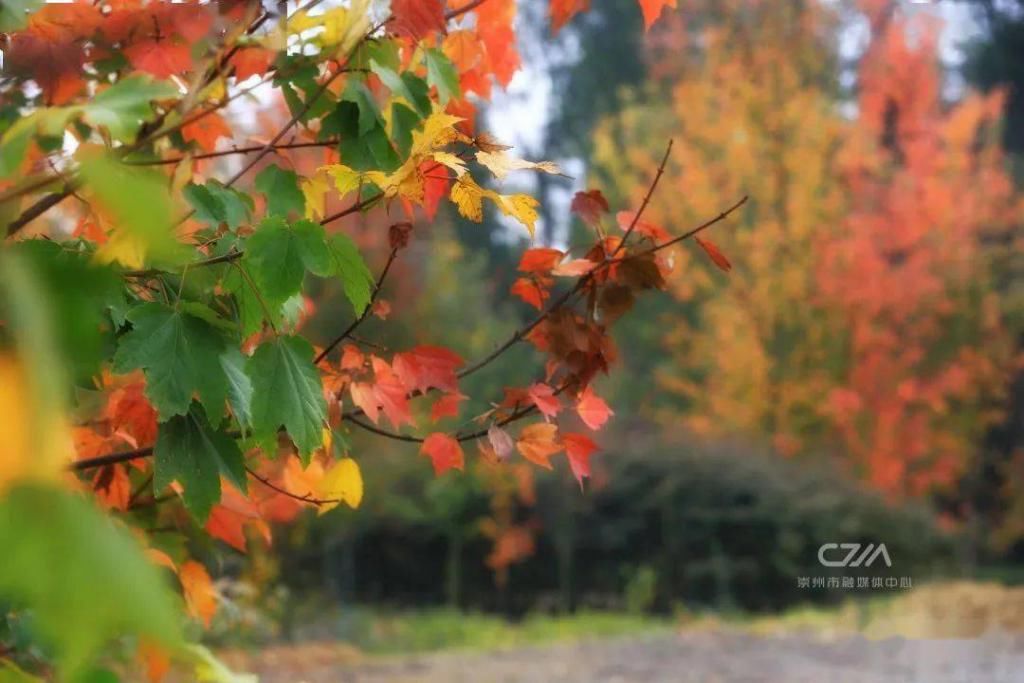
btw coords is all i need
(442, 629)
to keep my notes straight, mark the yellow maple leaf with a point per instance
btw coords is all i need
(343, 482)
(407, 181)
(35, 442)
(314, 189)
(438, 130)
(468, 197)
(451, 161)
(522, 207)
(344, 27)
(500, 164)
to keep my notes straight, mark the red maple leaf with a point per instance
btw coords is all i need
(417, 19)
(589, 206)
(578, 448)
(717, 256)
(424, 367)
(445, 452)
(592, 409)
(161, 58)
(540, 259)
(544, 398)
(447, 406)
(530, 291)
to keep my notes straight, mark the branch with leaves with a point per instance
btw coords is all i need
(163, 262)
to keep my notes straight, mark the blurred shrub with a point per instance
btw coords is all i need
(661, 526)
(726, 527)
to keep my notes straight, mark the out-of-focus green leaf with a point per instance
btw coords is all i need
(180, 354)
(287, 392)
(9, 673)
(441, 74)
(281, 188)
(80, 293)
(84, 577)
(14, 13)
(141, 206)
(123, 107)
(188, 450)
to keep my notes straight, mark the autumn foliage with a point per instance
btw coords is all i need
(163, 235)
(861, 317)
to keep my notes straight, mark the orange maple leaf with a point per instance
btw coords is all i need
(205, 131)
(537, 443)
(200, 595)
(251, 61)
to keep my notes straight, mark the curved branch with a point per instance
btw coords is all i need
(305, 499)
(364, 315)
(517, 414)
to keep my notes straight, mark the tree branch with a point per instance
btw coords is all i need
(233, 150)
(305, 499)
(364, 315)
(647, 199)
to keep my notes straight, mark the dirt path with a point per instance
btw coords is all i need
(723, 656)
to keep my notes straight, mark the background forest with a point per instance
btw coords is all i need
(854, 376)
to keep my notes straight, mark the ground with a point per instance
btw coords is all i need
(710, 656)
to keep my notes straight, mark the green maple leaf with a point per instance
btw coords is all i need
(239, 385)
(188, 450)
(278, 256)
(287, 392)
(347, 264)
(180, 354)
(441, 73)
(123, 107)
(281, 188)
(215, 204)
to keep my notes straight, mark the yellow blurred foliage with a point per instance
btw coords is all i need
(35, 442)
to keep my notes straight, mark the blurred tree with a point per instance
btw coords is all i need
(861, 313)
